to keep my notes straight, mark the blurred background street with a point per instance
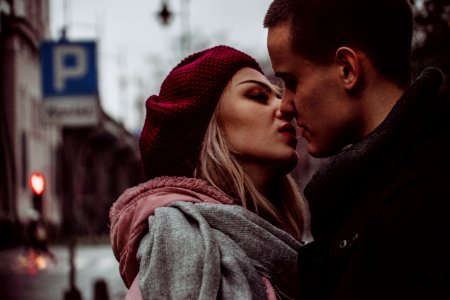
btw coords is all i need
(47, 280)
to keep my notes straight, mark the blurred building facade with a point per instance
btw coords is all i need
(85, 168)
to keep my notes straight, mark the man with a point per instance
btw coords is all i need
(380, 207)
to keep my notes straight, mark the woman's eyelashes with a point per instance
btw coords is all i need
(258, 95)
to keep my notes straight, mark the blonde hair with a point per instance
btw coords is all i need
(218, 166)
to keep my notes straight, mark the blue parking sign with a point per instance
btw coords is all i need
(69, 69)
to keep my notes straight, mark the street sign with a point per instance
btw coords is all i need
(69, 83)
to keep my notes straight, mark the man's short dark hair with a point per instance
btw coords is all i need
(382, 29)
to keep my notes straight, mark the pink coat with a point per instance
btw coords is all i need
(129, 219)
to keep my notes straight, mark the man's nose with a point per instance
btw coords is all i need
(287, 107)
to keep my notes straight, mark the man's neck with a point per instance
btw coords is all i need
(380, 97)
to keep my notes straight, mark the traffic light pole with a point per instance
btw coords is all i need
(71, 152)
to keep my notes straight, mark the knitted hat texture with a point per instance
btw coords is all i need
(177, 119)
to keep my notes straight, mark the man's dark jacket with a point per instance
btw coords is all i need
(380, 209)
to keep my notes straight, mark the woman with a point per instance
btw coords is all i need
(218, 217)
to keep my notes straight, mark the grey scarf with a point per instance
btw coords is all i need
(210, 251)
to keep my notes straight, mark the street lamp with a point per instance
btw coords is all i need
(165, 16)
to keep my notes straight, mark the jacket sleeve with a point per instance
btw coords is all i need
(129, 222)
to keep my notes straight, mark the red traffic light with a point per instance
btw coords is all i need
(37, 183)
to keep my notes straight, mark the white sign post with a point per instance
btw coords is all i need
(69, 83)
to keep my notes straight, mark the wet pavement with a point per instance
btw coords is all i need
(36, 277)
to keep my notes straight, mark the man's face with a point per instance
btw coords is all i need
(327, 117)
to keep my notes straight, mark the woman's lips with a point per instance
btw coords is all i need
(290, 132)
(288, 129)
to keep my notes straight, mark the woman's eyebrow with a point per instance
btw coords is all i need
(264, 85)
(260, 83)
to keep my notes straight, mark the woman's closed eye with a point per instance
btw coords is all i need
(258, 95)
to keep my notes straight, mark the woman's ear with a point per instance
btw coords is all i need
(349, 67)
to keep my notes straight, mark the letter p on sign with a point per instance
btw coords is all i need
(69, 62)
(69, 68)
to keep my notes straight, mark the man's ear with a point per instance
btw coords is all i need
(349, 67)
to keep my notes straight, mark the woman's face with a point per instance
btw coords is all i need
(249, 114)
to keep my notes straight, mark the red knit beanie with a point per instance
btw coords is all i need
(177, 119)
